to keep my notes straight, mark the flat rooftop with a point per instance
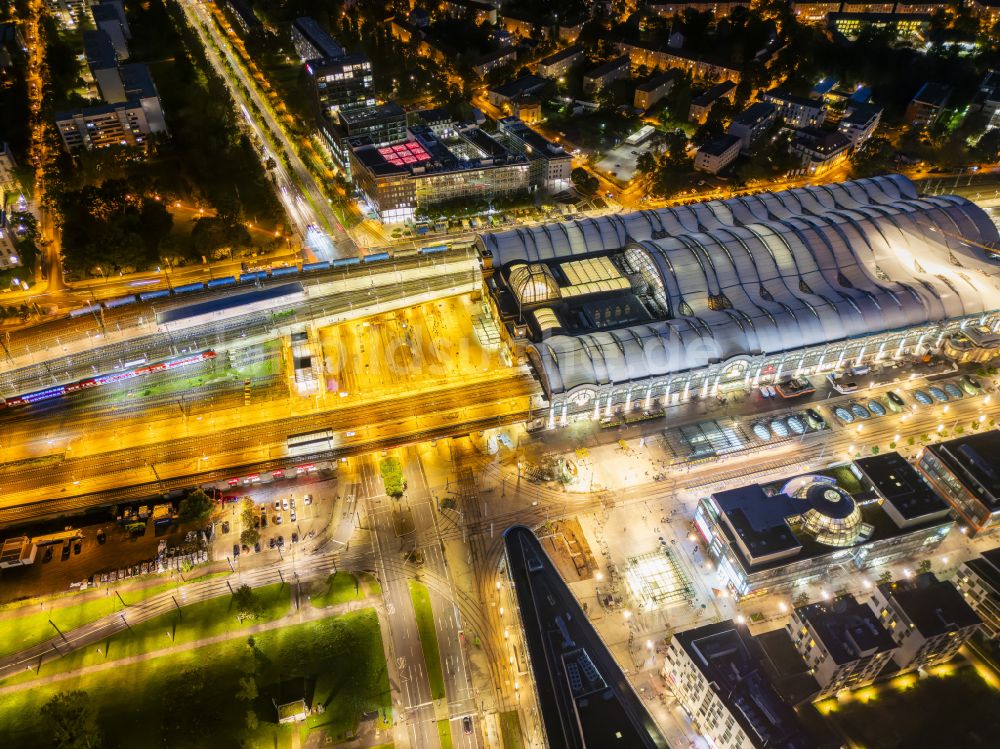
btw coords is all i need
(987, 567)
(900, 483)
(230, 301)
(730, 662)
(934, 606)
(975, 461)
(849, 630)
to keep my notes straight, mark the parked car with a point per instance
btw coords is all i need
(225, 526)
(295, 538)
(236, 550)
(77, 546)
(293, 516)
(101, 536)
(281, 541)
(47, 557)
(270, 543)
(308, 499)
(467, 724)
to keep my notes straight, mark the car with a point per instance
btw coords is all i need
(278, 520)
(295, 538)
(895, 399)
(270, 543)
(256, 547)
(277, 504)
(467, 724)
(236, 550)
(77, 546)
(225, 526)
(101, 536)
(281, 541)
(263, 520)
(308, 499)
(47, 557)
(292, 503)
(284, 504)
(65, 551)
(293, 516)
(815, 420)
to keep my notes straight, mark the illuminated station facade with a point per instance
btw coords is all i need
(625, 314)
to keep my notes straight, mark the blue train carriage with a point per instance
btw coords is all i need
(217, 283)
(156, 294)
(189, 287)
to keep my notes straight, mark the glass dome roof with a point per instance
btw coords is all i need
(533, 283)
(829, 513)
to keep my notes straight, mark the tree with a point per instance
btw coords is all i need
(392, 477)
(72, 720)
(924, 566)
(248, 689)
(585, 182)
(874, 157)
(249, 537)
(248, 605)
(195, 507)
(885, 578)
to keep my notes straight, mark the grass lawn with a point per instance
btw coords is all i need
(444, 733)
(193, 622)
(166, 699)
(972, 708)
(510, 729)
(421, 598)
(340, 587)
(845, 479)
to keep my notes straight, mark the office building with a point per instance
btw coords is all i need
(859, 122)
(400, 180)
(978, 580)
(797, 111)
(842, 642)
(702, 104)
(715, 673)
(311, 41)
(820, 150)
(928, 104)
(907, 26)
(560, 63)
(649, 93)
(109, 17)
(770, 538)
(752, 123)
(928, 618)
(717, 154)
(382, 124)
(550, 164)
(342, 84)
(611, 71)
(966, 471)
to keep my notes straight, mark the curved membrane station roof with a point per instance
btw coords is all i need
(767, 273)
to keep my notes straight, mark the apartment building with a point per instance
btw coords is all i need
(311, 41)
(796, 111)
(702, 104)
(560, 63)
(611, 71)
(752, 123)
(651, 92)
(978, 580)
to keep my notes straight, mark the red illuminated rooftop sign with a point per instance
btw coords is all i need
(407, 153)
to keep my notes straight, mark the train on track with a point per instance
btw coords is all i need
(249, 278)
(138, 369)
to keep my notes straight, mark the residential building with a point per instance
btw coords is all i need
(559, 63)
(496, 59)
(242, 18)
(102, 60)
(611, 71)
(663, 58)
(138, 85)
(342, 84)
(503, 95)
(717, 154)
(987, 99)
(69, 13)
(820, 150)
(419, 17)
(928, 104)
(988, 10)
(8, 175)
(311, 41)
(103, 125)
(928, 619)
(752, 123)
(652, 91)
(859, 122)
(979, 581)
(528, 109)
(382, 124)
(523, 27)
(702, 104)
(677, 7)
(796, 111)
(399, 180)
(842, 642)
(568, 30)
(965, 471)
(8, 251)
(716, 674)
(551, 165)
(908, 26)
(110, 18)
(475, 10)
(792, 532)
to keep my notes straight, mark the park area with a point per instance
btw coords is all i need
(337, 664)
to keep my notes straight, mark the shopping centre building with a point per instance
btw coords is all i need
(626, 313)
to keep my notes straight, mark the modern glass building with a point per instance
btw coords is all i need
(740, 292)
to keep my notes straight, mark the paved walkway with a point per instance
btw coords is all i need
(307, 613)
